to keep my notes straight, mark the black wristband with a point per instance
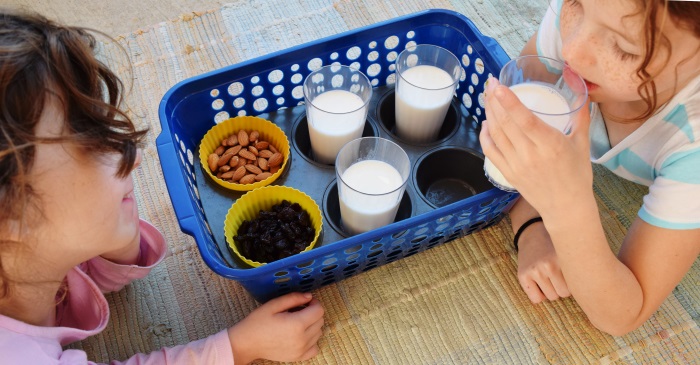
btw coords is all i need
(522, 229)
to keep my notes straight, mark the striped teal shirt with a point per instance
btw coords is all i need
(663, 153)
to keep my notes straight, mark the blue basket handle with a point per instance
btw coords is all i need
(179, 196)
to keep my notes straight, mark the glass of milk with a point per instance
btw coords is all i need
(371, 174)
(426, 79)
(549, 89)
(336, 100)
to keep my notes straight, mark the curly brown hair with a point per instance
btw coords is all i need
(686, 14)
(40, 59)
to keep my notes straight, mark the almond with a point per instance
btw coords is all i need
(273, 149)
(262, 164)
(265, 153)
(261, 145)
(234, 161)
(213, 161)
(232, 140)
(248, 179)
(243, 138)
(254, 169)
(234, 150)
(238, 174)
(263, 176)
(225, 158)
(247, 154)
(242, 162)
(254, 135)
(253, 150)
(274, 169)
(225, 168)
(227, 175)
(220, 150)
(275, 160)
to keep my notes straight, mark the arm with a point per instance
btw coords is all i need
(552, 171)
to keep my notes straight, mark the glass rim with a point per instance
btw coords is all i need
(362, 74)
(564, 66)
(412, 48)
(340, 179)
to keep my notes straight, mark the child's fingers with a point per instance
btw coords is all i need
(507, 121)
(313, 341)
(490, 149)
(288, 301)
(312, 313)
(315, 327)
(311, 352)
(547, 289)
(517, 121)
(532, 290)
(560, 286)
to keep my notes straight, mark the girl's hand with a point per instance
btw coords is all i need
(549, 169)
(273, 332)
(539, 273)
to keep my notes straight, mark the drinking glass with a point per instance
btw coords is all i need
(337, 99)
(426, 80)
(371, 175)
(549, 89)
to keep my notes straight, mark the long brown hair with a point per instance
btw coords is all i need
(686, 14)
(40, 59)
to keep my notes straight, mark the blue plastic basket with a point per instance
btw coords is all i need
(272, 85)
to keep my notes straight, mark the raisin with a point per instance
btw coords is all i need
(283, 230)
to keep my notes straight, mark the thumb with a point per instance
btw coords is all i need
(289, 301)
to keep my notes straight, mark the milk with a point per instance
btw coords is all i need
(423, 95)
(374, 197)
(334, 118)
(540, 98)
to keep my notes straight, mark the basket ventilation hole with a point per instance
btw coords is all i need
(275, 76)
(217, 104)
(235, 89)
(353, 53)
(220, 117)
(314, 64)
(391, 42)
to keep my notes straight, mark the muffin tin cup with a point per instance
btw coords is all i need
(251, 203)
(269, 132)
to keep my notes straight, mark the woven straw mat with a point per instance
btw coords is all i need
(458, 303)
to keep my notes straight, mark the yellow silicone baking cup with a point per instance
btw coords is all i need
(251, 203)
(269, 132)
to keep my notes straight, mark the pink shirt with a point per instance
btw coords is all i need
(85, 312)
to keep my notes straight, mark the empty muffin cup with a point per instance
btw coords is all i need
(448, 174)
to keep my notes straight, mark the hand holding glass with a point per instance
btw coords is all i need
(549, 89)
